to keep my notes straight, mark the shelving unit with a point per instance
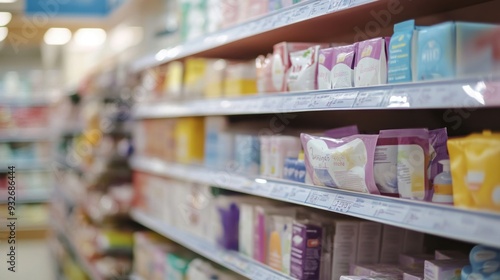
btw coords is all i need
(231, 260)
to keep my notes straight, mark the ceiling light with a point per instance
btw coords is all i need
(57, 36)
(90, 37)
(4, 31)
(7, 1)
(5, 18)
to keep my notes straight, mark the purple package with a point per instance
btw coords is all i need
(412, 162)
(340, 132)
(385, 166)
(259, 253)
(229, 218)
(438, 151)
(371, 63)
(345, 163)
(325, 64)
(306, 254)
(343, 64)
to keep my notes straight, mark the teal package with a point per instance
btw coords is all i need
(400, 53)
(436, 52)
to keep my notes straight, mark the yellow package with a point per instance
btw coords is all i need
(173, 79)
(474, 164)
(215, 78)
(240, 79)
(195, 77)
(189, 140)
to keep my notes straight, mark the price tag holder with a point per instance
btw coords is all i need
(394, 212)
(321, 101)
(302, 12)
(370, 99)
(343, 100)
(342, 203)
(321, 198)
(398, 98)
(284, 18)
(302, 102)
(337, 5)
(280, 191)
(269, 104)
(286, 103)
(299, 194)
(319, 8)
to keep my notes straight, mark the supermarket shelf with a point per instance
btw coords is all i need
(78, 257)
(28, 101)
(25, 197)
(460, 93)
(461, 224)
(24, 135)
(229, 259)
(294, 23)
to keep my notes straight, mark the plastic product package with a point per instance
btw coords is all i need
(371, 63)
(474, 160)
(386, 164)
(345, 163)
(341, 132)
(401, 53)
(342, 74)
(304, 70)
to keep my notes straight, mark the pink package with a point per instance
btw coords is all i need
(345, 163)
(371, 63)
(341, 132)
(342, 73)
(281, 63)
(230, 12)
(325, 64)
(263, 73)
(303, 70)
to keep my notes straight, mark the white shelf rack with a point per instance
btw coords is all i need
(447, 221)
(459, 93)
(285, 24)
(229, 259)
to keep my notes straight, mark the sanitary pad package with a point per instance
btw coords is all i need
(342, 73)
(304, 70)
(484, 264)
(371, 63)
(345, 163)
(281, 63)
(401, 53)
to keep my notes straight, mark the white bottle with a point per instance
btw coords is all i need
(443, 190)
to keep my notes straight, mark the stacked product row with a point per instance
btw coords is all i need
(413, 53)
(406, 163)
(298, 241)
(158, 258)
(203, 16)
(27, 84)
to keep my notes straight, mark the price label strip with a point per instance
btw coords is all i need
(280, 191)
(370, 99)
(343, 100)
(299, 194)
(302, 102)
(321, 198)
(302, 12)
(319, 8)
(342, 203)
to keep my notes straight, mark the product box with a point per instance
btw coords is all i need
(371, 63)
(193, 19)
(392, 240)
(444, 269)
(325, 65)
(455, 49)
(214, 127)
(413, 242)
(247, 154)
(240, 79)
(189, 142)
(449, 254)
(414, 260)
(215, 77)
(281, 63)
(345, 247)
(264, 72)
(280, 242)
(195, 77)
(177, 265)
(368, 242)
(377, 270)
(342, 73)
(306, 251)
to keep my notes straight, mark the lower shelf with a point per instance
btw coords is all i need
(229, 259)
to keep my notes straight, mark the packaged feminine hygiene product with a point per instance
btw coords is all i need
(401, 53)
(484, 264)
(214, 126)
(371, 63)
(437, 151)
(444, 269)
(306, 250)
(345, 163)
(385, 166)
(240, 78)
(455, 49)
(341, 132)
(473, 162)
(281, 63)
(265, 155)
(263, 73)
(304, 70)
(189, 145)
(215, 77)
(281, 148)
(342, 73)
(325, 64)
(247, 154)
(280, 242)
(177, 265)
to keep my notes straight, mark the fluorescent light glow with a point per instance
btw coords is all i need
(5, 18)
(90, 37)
(260, 181)
(7, 1)
(124, 37)
(57, 36)
(4, 31)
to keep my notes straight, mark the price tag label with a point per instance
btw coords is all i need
(398, 98)
(342, 203)
(321, 198)
(299, 194)
(302, 12)
(262, 189)
(269, 23)
(336, 5)
(369, 99)
(284, 18)
(302, 102)
(280, 191)
(319, 8)
(364, 207)
(343, 100)
(269, 104)
(418, 217)
(321, 101)
(392, 212)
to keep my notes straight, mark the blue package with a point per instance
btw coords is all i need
(300, 171)
(247, 154)
(289, 169)
(400, 53)
(436, 52)
(484, 264)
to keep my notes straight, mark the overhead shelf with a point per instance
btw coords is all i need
(229, 259)
(478, 92)
(295, 23)
(451, 222)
